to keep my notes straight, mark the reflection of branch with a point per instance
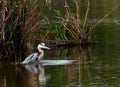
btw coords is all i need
(5, 83)
(87, 64)
(88, 71)
(83, 63)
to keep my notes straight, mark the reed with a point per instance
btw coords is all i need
(77, 27)
(17, 20)
(72, 23)
(18, 17)
(70, 27)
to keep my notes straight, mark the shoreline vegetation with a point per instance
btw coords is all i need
(22, 20)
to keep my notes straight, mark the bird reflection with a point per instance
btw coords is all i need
(38, 69)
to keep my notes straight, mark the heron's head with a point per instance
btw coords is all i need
(42, 45)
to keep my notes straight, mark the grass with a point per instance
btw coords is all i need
(18, 19)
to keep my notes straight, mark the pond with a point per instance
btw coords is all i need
(95, 66)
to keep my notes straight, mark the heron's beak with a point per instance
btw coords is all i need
(45, 47)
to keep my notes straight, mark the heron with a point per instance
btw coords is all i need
(36, 57)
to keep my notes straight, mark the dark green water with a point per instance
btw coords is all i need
(96, 66)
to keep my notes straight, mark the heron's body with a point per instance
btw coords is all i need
(32, 58)
(36, 57)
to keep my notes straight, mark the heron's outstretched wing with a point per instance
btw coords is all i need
(31, 58)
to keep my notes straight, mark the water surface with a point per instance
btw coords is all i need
(96, 66)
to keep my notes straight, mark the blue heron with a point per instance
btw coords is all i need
(36, 57)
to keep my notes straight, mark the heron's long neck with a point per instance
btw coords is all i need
(41, 52)
(39, 49)
(40, 57)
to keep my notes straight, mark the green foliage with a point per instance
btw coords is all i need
(54, 32)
